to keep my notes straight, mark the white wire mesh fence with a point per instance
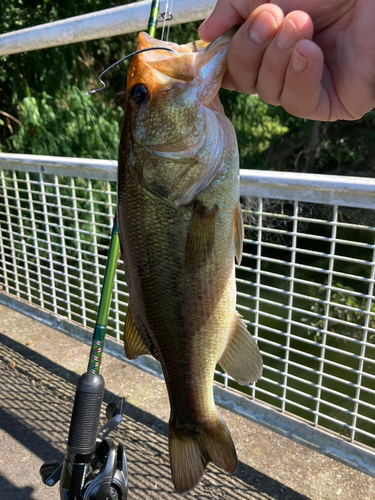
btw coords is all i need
(306, 288)
(55, 233)
(305, 285)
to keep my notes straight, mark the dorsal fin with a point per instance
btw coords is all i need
(133, 343)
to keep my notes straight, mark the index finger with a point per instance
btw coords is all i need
(227, 13)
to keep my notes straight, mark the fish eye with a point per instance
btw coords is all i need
(138, 95)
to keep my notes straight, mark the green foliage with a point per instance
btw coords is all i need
(62, 126)
(349, 308)
(50, 71)
(256, 126)
(340, 148)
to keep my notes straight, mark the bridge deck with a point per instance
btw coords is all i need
(35, 405)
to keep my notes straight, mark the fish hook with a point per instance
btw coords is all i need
(120, 61)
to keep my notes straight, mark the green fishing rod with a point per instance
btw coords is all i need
(104, 304)
(94, 467)
(110, 271)
(153, 19)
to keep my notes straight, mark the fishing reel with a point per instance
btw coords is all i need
(94, 468)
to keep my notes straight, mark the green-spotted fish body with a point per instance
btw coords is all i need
(180, 226)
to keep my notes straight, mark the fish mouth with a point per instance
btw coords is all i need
(184, 67)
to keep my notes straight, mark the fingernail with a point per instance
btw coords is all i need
(260, 30)
(289, 35)
(299, 63)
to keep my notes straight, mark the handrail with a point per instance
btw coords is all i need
(60, 165)
(339, 190)
(128, 18)
(313, 188)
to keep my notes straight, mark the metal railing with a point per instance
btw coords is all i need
(305, 286)
(128, 18)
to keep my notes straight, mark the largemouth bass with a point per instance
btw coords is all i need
(180, 227)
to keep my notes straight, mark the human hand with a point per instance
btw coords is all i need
(317, 64)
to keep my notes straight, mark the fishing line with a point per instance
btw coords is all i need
(164, 16)
(96, 128)
(169, 20)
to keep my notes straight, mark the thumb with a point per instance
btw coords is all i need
(227, 13)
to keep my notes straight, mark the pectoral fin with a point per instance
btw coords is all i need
(133, 343)
(238, 232)
(241, 358)
(201, 235)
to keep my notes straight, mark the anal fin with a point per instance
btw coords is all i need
(242, 359)
(238, 232)
(133, 343)
(200, 236)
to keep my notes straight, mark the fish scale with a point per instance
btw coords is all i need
(180, 226)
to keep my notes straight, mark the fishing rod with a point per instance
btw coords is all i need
(94, 468)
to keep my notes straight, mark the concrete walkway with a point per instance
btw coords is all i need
(39, 368)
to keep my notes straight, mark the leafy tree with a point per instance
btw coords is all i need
(34, 85)
(63, 126)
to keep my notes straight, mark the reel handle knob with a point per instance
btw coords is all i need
(112, 410)
(50, 472)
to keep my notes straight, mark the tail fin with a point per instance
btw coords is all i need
(190, 454)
